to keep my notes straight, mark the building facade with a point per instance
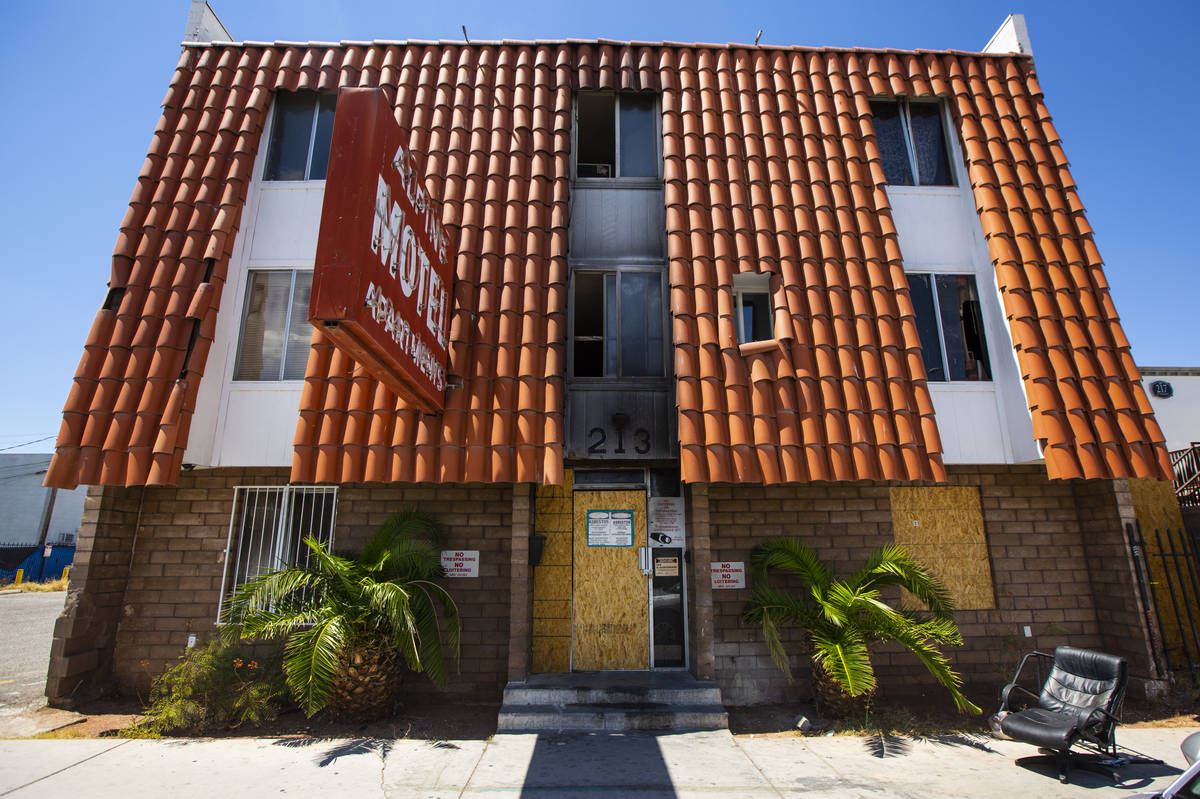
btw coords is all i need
(704, 295)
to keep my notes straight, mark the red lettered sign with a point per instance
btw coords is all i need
(384, 270)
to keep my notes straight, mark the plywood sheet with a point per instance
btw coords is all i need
(611, 622)
(551, 654)
(942, 528)
(552, 579)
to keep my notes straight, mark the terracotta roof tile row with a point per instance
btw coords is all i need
(770, 166)
(1090, 412)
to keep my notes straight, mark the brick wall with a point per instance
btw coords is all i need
(138, 598)
(84, 635)
(1040, 569)
(1105, 507)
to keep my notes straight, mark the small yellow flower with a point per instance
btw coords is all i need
(252, 664)
(237, 663)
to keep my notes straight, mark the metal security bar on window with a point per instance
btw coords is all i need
(267, 530)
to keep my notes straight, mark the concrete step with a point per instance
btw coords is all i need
(524, 694)
(624, 700)
(579, 718)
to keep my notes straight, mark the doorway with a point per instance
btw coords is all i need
(610, 618)
(628, 596)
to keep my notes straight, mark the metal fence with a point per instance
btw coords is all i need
(1168, 572)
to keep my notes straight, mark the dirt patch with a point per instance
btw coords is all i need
(440, 720)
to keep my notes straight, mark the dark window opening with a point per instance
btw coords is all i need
(752, 307)
(300, 136)
(912, 143)
(618, 325)
(616, 135)
(950, 325)
(755, 308)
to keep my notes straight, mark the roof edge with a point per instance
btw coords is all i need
(600, 43)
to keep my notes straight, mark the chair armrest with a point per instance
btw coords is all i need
(1007, 692)
(1096, 718)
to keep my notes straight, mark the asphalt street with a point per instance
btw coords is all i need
(27, 625)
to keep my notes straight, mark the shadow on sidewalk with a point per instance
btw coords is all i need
(598, 764)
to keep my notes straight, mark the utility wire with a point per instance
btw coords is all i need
(27, 443)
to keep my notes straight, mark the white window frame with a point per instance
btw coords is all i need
(910, 147)
(287, 326)
(273, 534)
(751, 283)
(616, 176)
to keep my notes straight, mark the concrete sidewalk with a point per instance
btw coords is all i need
(596, 765)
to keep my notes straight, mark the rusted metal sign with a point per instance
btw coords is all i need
(384, 276)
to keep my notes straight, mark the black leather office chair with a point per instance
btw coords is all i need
(1078, 706)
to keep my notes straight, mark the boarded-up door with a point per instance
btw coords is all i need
(610, 628)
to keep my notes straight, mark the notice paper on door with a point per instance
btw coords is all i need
(664, 517)
(666, 567)
(610, 528)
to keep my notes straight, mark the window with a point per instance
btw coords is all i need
(617, 135)
(268, 527)
(618, 324)
(752, 305)
(951, 327)
(300, 134)
(912, 142)
(273, 344)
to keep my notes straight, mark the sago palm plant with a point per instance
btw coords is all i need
(351, 624)
(842, 618)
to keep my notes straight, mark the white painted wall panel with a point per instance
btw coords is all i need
(931, 226)
(286, 225)
(258, 426)
(939, 231)
(1178, 416)
(970, 424)
(250, 423)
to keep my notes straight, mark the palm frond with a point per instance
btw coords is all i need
(311, 661)
(404, 526)
(792, 557)
(927, 652)
(846, 660)
(893, 565)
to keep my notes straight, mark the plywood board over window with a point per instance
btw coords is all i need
(942, 528)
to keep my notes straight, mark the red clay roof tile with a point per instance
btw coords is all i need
(769, 166)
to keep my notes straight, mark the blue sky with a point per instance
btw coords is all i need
(81, 83)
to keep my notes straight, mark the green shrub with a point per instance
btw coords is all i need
(216, 686)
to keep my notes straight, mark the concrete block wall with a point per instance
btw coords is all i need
(151, 563)
(1043, 575)
(85, 634)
